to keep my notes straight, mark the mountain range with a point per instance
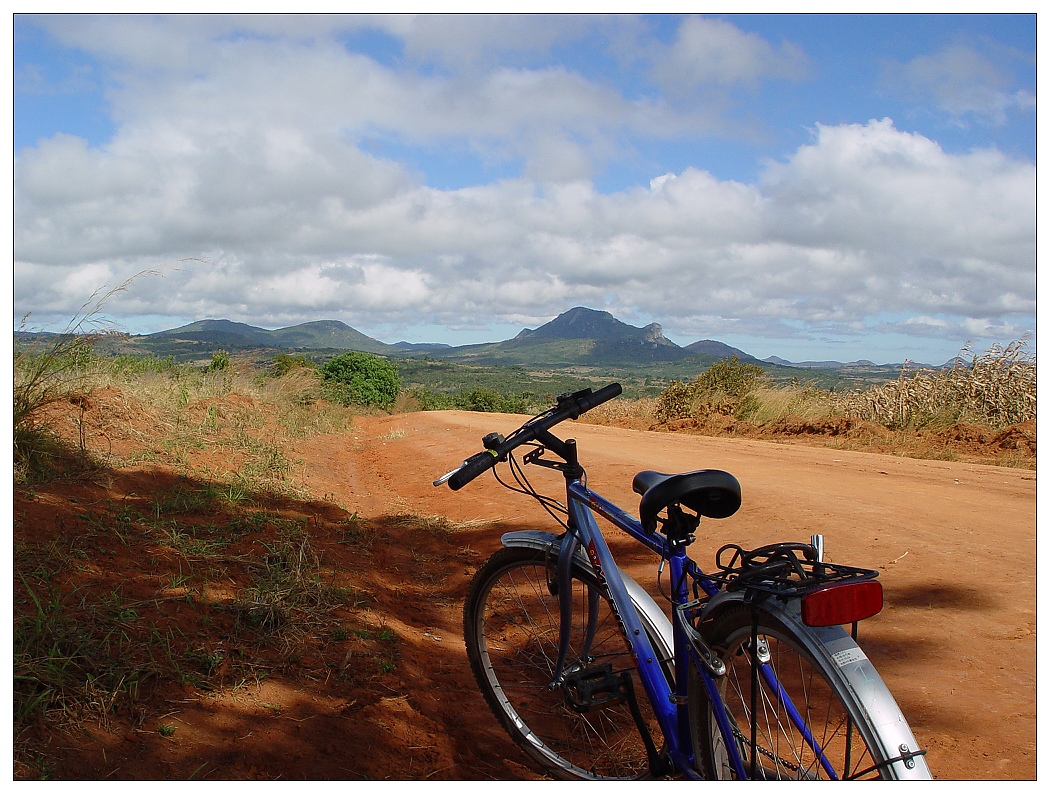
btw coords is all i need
(578, 337)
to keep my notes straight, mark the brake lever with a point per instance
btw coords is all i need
(444, 478)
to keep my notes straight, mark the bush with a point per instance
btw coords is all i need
(354, 378)
(486, 400)
(432, 401)
(283, 363)
(732, 377)
(481, 399)
(220, 360)
(131, 365)
(726, 387)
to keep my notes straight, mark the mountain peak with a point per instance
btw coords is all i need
(583, 323)
(654, 332)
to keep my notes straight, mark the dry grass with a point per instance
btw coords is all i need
(982, 410)
(229, 424)
(997, 389)
(807, 403)
(623, 413)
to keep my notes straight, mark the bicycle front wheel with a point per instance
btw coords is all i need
(791, 717)
(511, 626)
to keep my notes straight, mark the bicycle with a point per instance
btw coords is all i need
(753, 675)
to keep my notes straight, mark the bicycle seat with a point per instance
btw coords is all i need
(708, 492)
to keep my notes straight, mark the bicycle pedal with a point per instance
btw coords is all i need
(594, 687)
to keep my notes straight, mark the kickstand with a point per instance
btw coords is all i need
(658, 766)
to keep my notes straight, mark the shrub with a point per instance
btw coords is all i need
(220, 360)
(726, 387)
(487, 400)
(354, 378)
(432, 401)
(481, 399)
(283, 363)
(131, 365)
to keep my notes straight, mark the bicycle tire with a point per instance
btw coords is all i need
(849, 742)
(511, 625)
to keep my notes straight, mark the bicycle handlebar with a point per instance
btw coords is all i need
(472, 467)
(569, 406)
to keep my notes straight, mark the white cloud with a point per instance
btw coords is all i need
(253, 154)
(460, 41)
(956, 231)
(961, 81)
(864, 220)
(716, 52)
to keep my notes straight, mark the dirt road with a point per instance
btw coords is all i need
(385, 691)
(954, 544)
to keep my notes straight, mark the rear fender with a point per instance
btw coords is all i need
(838, 650)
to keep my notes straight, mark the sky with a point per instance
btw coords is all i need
(808, 186)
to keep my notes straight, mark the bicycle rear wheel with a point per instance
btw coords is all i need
(830, 735)
(511, 623)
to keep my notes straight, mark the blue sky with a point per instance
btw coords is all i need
(806, 186)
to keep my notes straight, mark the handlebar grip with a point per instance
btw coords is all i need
(472, 467)
(603, 395)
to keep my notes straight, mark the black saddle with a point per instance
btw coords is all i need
(708, 492)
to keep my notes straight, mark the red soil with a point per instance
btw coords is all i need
(392, 697)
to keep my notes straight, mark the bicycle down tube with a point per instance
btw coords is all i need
(669, 706)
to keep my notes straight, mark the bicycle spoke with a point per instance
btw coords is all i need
(819, 741)
(518, 645)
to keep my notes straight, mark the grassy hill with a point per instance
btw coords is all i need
(579, 342)
(317, 335)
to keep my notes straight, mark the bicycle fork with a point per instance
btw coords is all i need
(585, 688)
(563, 574)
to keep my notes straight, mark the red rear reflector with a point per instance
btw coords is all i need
(838, 604)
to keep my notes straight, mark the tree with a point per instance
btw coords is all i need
(220, 360)
(354, 378)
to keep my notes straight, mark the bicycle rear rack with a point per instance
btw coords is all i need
(785, 570)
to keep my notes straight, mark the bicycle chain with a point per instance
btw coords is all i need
(763, 751)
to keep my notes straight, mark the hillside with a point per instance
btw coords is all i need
(589, 338)
(317, 335)
(578, 340)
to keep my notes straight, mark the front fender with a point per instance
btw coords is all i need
(653, 618)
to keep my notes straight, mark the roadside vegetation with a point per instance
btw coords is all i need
(988, 393)
(163, 544)
(996, 389)
(983, 408)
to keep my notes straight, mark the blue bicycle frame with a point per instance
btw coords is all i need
(670, 706)
(637, 615)
(693, 594)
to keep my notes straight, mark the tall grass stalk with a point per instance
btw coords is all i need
(48, 371)
(996, 388)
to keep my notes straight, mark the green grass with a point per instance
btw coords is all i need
(87, 649)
